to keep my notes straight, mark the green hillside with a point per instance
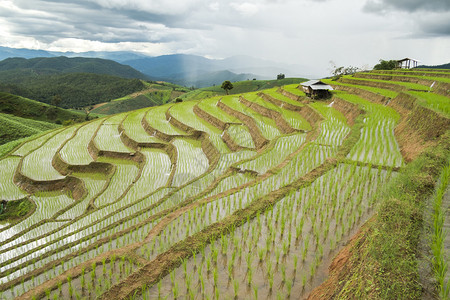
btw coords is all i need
(240, 87)
(76, 90)
(31, 109)
(154, 94)
(13, 128)
(261, 194)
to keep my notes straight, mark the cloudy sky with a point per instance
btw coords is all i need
(310, 33)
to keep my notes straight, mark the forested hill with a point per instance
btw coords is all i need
(57, 65)
(73, 90)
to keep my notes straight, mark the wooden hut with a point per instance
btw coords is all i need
(316, 89)
(407, 63)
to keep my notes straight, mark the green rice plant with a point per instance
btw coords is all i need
(183, 112)
(175, 290)
(255, 292)
(75, 151)
(43, 157)
(235, 287)
(249, 276)
(289, 288)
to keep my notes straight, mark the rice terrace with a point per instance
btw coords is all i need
(264, 194)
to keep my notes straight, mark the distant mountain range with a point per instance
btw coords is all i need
(182, 69)
(64, 65)
(444, 66)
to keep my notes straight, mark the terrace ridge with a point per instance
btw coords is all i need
(281, 123)
(259, 140)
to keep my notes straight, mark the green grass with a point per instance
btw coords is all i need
(30, 109)
(16, 209)
(13, 128)
(434, 101)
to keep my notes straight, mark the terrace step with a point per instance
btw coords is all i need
(282, 125)
(257, 137)
(278, 102)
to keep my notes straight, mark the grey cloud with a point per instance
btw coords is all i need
(382, 6)
(437, 26)
(87, 20)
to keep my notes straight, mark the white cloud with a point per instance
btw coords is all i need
(245, 8)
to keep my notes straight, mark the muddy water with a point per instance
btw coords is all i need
(284, 252)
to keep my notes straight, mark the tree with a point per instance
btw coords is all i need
(386, 65)
(227, 85)
(56, 100)
(280, 76)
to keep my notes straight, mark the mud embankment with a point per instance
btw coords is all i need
(210, 118)
(291, 95)
(178, 124)
(311, 115)
(135, 145)
(69, 184)
(278, 102)
(281, 123)
(349, 110)
(439, 87)
(207, 146)
(416, 72)
(258, 139)
(371, 96)
(153, 132)
(382, 85)
(419, 127)
(228, 140)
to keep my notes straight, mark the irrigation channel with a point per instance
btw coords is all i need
(246, 196)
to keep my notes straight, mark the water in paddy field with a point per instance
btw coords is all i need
(285, 252)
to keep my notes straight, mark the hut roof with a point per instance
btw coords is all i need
(317, 85)
(406, 59)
